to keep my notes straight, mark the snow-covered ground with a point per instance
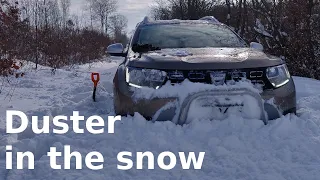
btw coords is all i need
(288, 148)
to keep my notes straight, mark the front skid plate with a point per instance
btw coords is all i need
(183, 107)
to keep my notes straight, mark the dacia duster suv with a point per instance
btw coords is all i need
(200, 51)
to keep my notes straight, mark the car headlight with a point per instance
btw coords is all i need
(278, 75)
(139, 78)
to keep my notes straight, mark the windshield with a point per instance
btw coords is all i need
(187, 36)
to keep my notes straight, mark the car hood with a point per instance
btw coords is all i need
(203, 58)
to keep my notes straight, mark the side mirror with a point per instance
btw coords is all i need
(116, 50)
(256, 46)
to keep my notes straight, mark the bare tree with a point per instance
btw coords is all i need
(65, 6)
(229, 12)
(101, 10)
(182, 9)
(118, 24)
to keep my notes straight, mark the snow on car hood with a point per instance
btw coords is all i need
(205, 58)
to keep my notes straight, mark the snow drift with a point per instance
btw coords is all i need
(236, 148)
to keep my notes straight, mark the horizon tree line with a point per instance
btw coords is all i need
(44, 32)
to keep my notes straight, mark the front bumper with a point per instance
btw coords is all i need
(275, 102)
(242, 93)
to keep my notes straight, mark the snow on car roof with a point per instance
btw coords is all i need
(179, 21)
(205, 20)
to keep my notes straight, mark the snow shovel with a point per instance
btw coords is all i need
(95, 77)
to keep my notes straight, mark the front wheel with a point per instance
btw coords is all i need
(119, 106)
(116, 102)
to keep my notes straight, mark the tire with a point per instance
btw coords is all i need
(118, 107)
(116, 101)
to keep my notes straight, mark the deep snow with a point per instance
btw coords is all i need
(236, 148)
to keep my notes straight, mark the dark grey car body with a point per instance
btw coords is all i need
(201, 61)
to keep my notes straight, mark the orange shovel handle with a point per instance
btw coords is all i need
(95, 77)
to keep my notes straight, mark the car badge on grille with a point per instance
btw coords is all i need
(218, 78)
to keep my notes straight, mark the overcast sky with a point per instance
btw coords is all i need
(134, 10)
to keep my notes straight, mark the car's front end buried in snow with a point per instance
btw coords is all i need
(183, 102)
(205, 103)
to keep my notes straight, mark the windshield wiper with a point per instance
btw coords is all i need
(143, 48)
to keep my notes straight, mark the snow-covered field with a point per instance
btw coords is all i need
(286, 149)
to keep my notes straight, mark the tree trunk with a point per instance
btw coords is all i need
(229, 12)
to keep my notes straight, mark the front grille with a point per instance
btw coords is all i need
(257, 76)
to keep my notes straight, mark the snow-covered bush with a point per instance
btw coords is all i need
(5, 67)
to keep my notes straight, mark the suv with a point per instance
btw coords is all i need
(202, 51)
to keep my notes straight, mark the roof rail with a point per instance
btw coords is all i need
(146, 20)
(210, 18)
